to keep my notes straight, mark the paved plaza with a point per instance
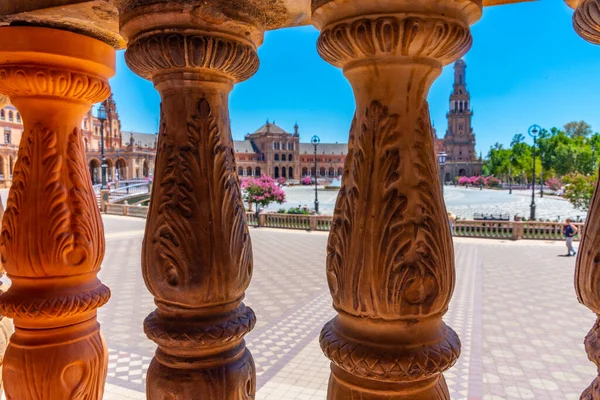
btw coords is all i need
(462, 202)
(514, 308)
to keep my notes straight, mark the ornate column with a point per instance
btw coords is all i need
(390, 262)
(197, 255)
(586, 21)
(52, 240)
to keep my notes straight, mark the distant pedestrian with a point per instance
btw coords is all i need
(570, 231)
(452, 221)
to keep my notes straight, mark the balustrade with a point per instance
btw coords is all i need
(52, 240)
(197, 254)
(390, 262)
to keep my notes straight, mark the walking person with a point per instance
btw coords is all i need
(452, 221)
(570, 231)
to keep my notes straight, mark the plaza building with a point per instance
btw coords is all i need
(459, 140)
(272, 151)
(129, 155)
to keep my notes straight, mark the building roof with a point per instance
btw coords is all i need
(324, 148)
(270, 127)
(141, 139)
(243, 146)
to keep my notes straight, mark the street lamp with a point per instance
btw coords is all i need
(315, 141)
(510, 178)
(102, 118)
(534, 131)
(442, 160)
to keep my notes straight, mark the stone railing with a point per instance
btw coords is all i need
(126, 210)
(476, 229)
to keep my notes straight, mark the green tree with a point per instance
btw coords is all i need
(579, 189)
(578, 129)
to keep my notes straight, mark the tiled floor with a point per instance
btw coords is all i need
(514, 308)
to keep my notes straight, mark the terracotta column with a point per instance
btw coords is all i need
(197, 255)
(390, 262)
(52, 240)
(586, 21)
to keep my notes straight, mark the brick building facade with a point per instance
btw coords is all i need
(272, 151)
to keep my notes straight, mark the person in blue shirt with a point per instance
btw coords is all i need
(570, 231)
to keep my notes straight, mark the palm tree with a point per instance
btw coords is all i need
(517, 139)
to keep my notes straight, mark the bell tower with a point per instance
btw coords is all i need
(459, 141)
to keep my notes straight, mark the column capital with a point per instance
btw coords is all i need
(50, 63)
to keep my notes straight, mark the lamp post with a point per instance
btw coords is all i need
(510, 178)
(315, 141)
(534, 130)
(102, 118)
(442, 160)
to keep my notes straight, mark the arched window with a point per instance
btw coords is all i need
(322, 172)
(249, 171)
(283, 172)
(283, 157)
(241, 171)
(291, 173)
(331, 171)
(10, 116)
(257, 171)
(276, 172)
(290, 158)
(276, 157)
(7, 136)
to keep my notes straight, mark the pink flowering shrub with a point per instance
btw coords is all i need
(554, 183)
(463, 181)
(492, 181)
(262, 191)
(307, 180)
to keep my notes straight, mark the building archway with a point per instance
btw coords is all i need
(283, 172)
(304, 171)
(94, 166)
(109, 170)
(241, 171)
(331, 172)
(313, 172)
(257, 171)
(322, 171)
(276, 172)
(291, 173)
(145, 169)
(121, 170)
(249, 171)
(340, 172)
(462, 172)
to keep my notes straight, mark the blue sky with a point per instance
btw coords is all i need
(526, 66)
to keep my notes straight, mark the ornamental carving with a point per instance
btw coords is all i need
(161, 53)
(586, 20)
(441, 39)
(390, 195)
(19, 81)
(197, 241)
(385, 364)
(66, 228)
(183, 334)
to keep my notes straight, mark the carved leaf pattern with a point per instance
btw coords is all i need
(66, 232)
(390, 252)
(198, 229)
